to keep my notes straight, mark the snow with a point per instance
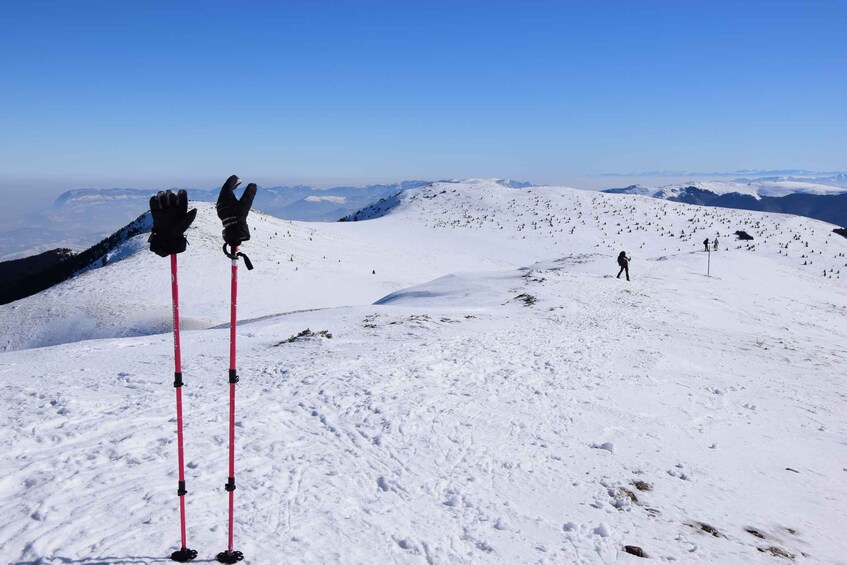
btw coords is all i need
(332, 199)
(491, 395)
(508, 183)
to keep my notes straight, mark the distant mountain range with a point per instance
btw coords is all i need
(760, 174)
(824, 200)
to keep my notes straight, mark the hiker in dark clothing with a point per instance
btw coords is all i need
(623, 261)
(706, 243)
(715, 244)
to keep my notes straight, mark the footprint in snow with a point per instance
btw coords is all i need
(603, 530)
(679, 474)
(606, 446)
(452, 501)
(408, 545)
(502, 524)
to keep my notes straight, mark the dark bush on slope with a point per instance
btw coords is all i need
(17, 269)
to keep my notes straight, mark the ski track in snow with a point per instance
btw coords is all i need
(455, 422)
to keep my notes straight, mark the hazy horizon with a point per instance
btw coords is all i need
(27, 196)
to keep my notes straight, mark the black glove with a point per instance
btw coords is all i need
(170, 220)
(233, 212)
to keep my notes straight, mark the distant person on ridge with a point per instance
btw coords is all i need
(623, 261)
(706, 243)
(715, 244)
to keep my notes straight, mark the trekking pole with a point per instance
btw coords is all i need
(230, 556)
(171, 218)
(233, 213)
(184, 554)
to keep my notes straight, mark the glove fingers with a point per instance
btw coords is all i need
(182, 202)
(246, 201)
(227, 195)
(172, 199)
(160, 200)
(232, 182)
(186, 220)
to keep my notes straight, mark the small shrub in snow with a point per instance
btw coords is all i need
(305, 334)
(527, 299)
(643, 486)
(776, 552)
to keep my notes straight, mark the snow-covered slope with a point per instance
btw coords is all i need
(505, 400)
(421, 234)
(297, 266)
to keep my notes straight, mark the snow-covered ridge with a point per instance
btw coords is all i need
(827, 177)
(414, 236)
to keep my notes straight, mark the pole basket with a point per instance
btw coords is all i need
(230, 556)
(184, 555)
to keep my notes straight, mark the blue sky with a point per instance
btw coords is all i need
(159, 94)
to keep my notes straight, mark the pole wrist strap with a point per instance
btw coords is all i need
(235, 256)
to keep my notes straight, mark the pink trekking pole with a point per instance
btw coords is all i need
(233, 213)
(171, 219)
(184, 554)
